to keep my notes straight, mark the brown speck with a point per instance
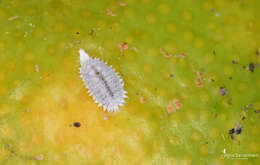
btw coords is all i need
(123, 46)
(171, 75)
(232, 137)
(142, 100)
(257, 111)
(214, 52)
(234, 62)
(92, 31)
(229, 101)
(76, 124)
(243, 118)
(251, 67)
(199, 83)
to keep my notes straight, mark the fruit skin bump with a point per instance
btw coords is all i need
(104, 84)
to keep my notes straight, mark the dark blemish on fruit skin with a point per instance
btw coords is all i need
(222, 91)
(214, 52)
(232, 131)
(229, 101)
(230, 78)
(212, 80)
(238, 131)
(76, 124)
(244, 67)
(92, 31)
(77, 33)
(251, 67)
(243, 118)
(171, 75)
(234, 62)
(257, 111)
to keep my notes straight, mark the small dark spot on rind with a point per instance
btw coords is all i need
(222, 91)
(243, 118)
(238, 131)
(214, 52)
(229, 101)
(91, 32)
(244, 67)
(251, 67)
(171, 75)
(232, 137)
(230, 78)
(76, 124)
(231, 131)
(212, 80)
(234, 61)
(77, 33)
(257, 111)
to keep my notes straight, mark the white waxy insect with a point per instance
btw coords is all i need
(104, 84)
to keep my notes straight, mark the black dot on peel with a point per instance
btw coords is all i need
(238, 131)
(76, 124)
(231, 131)
(251, 67)
(77, 33)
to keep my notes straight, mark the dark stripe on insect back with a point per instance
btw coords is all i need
(104, 81)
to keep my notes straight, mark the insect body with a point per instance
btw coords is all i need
(103, 82)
